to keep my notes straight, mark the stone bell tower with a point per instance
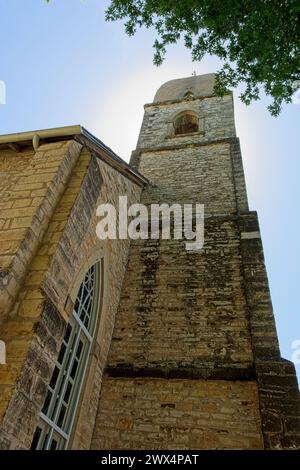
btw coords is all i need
(194, 361)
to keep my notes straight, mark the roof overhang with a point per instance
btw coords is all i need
(24, 140)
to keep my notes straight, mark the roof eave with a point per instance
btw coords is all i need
(19, 140)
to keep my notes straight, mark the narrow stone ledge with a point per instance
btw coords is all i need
(163, 148)
(191, 373)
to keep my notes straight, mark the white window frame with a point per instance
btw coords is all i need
(78, 339)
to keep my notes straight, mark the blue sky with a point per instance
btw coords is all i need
(62, 64)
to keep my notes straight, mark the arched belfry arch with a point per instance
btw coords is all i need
(186, 122)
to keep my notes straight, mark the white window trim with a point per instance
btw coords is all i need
(47, 424)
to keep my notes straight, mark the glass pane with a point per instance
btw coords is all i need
(52, 414)
(62, 353)
(36, 438)
(68, 333)
(74, 369)
(82, 315)
(76, 307)
(61, 416)
(44, 445)
(79, 349)
(47, 402)
(85, 294)
(68, 392)
(53, 444)
(54, 377)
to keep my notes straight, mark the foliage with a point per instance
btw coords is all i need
(257, 40)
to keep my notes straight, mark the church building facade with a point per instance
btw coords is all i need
(138, 344)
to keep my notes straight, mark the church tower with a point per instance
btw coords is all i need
(137, 344)
(194, 361)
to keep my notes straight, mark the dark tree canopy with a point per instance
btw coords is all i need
(257, 40)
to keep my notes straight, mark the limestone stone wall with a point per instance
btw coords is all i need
(31, 187)
(196, 323)
(278, 389)
(35, 325)
(163, 414)
(206, 179)
(216, 121)
(181, 310)
(182, 326)
(186, 354)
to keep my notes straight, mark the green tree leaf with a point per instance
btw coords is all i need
(258, 40)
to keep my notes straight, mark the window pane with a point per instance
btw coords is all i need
(47, 402)
(74, 369)
(54, 377)
(62, 353)
(61, 416)
(53, 444)
(45, 441)
(36, 438)
(68, 392)
(79, 349)
(68, 333)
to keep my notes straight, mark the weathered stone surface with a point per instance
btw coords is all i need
(279, 403)
(20, 419)
(188, 317)
(188, 340)
(179, 309)
(176, 89)
(54, 166)
(36, 324)
(149, 413)
(216, 120)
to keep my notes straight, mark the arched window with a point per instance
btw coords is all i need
(58, 413)
(186, 123)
